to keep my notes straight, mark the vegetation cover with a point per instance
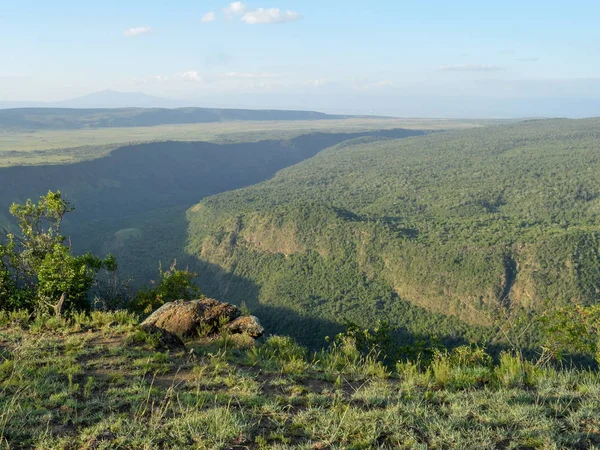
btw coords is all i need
(468, 224)
(328, 237)
(74, 118)
(97, 381)
(132, 203)
(54, 146)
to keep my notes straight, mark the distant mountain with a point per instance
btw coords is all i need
(104, 99)
(114, 99)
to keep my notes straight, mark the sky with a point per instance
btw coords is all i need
(353, 55)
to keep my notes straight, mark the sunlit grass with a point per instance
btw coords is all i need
(88, 382)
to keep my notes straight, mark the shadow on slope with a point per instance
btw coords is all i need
(304, 326)
(132, 201)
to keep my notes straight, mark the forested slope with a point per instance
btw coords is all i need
(455, 223)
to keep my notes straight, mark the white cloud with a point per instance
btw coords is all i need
(235, 9)
(190, 75)
(271, 15)
(249, 75)
(317, 82)
(137, 31)
(209, 17)
(363, 84)
(470, 68)
(157, 78)
(198, 77)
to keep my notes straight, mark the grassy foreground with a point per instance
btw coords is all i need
(99, 382)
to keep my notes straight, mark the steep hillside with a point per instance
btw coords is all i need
(455, 223)
(133, 201)
(67, 118)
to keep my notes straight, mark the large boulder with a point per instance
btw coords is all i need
(247, 324)
(194, 317)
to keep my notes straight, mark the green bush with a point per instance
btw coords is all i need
(172, 284)
(514, 371)
(570, 330)
(38, 271)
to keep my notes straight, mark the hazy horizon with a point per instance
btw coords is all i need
(437, 59)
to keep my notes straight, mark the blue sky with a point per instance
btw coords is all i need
(261, 49)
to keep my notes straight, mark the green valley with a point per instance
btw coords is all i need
(132, 201)
(430, 232)
(43, 146)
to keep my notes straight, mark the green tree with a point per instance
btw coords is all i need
(37, 268)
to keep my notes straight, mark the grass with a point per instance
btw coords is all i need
(65, 146)
(99, 382)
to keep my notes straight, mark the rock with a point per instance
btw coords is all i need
(247, 324)
(194, 317)
(166, 339)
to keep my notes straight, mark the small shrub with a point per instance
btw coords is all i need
(43, 323)
(244, 309)
(100, 319)
(141, 337)
(411, 374)
(173, 284)
(80, 318)
(122, 318)
(513, 371)
(442, 369)
(279, 353)
(88, 387)
(376, 341)
(470, 356)
(105, 319)
(344, 357)
(20, 317)
(38, 270)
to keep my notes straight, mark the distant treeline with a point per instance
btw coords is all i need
(69, 119)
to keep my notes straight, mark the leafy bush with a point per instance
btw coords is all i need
(173, 284)
(38, 271)
(376, 341)
(571, 330)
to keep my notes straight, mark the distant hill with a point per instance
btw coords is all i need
(114, 99)
(104, 99)
(70, 118)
